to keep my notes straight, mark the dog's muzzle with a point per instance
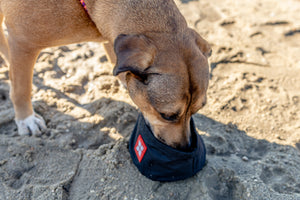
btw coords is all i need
(161, 162)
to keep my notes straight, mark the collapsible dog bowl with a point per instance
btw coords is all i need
(161, 162)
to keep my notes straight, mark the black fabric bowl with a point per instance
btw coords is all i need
(161, 162)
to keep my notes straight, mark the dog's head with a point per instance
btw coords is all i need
(167, 78)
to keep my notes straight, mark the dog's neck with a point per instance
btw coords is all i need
(134, 16)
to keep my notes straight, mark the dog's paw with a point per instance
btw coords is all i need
(32, 125)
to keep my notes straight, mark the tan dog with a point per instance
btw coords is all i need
(161, 61)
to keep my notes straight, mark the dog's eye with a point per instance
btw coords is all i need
(173, 117)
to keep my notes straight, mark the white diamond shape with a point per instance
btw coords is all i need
(140, 148)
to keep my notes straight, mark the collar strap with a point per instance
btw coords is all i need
(83, 5)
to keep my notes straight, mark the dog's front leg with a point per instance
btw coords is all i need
(22, 60)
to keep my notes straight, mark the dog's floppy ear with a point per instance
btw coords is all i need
(135, 53)
(202, 44)
(198, 68)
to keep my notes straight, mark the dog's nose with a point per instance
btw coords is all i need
(183, 146)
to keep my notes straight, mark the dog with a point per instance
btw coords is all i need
(160, 60)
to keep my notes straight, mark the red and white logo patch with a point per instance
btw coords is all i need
(140, 148)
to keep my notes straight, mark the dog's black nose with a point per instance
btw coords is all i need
(186, 146)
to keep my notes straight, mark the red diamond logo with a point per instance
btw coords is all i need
(140, 148)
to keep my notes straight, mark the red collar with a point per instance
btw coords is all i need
(83, 5)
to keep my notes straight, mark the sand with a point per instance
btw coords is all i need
(251, 124)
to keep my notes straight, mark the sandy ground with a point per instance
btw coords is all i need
(251, 124)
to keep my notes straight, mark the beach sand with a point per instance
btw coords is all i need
(250, 125)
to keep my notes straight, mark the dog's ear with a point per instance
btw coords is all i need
(135, 53)
(198, 68)
(202, 44)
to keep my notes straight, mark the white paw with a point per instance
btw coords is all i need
(32, 125)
